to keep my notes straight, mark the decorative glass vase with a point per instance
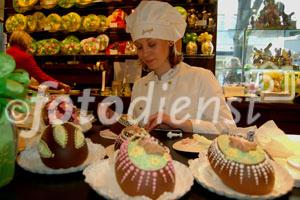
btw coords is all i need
(191, 48)
(207, 48)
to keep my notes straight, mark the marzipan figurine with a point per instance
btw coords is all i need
(273, 16)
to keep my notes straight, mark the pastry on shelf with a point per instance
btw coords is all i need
(103, 23)
(103, 41)
(48, 4)
(66, 3)
(31, 23)
(130, 48)
(116, 48)
(33, 47)
(91, 22)
(71, 22)
(143, 166)
(117, 19)
(62, 146)
(41, 20)
(16, 22)
(90, 46)
(242, 165)
(48, 47)
(24, 6)
(26, 3)
(53, 22)
(70, 45)
(83, 2)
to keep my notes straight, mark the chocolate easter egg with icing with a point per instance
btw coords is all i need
(56, 110)
(127, 133)
(242, 165)
(122, 122)
(144, 167)
(62, 146)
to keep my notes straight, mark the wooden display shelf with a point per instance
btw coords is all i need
(94, 8)
(82, 58)
(62, 34)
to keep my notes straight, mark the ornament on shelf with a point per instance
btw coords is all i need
(264, 58)
(207, 46)
(190, 40)
(182, 11)
(273, 16)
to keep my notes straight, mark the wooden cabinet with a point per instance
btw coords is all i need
(79, 70)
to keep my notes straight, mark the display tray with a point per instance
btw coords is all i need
(30, 160)
(101, 177)
(206, 177)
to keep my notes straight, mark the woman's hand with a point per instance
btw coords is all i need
(164, 121)
(158, 119)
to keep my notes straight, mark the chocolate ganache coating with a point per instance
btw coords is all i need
(62, 146)
(144, 167)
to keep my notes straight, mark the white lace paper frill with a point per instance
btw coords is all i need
(206, 177)
(30, 160)
(101, 177)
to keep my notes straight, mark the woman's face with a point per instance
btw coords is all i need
(153, 52)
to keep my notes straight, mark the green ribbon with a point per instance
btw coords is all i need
(13, 85)
(190, 37)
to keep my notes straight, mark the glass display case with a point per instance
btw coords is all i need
(271, 60)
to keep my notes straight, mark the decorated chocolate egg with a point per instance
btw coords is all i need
(62, 146)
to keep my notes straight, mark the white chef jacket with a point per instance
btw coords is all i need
(184, 92)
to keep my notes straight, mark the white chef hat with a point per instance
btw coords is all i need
(155, 19)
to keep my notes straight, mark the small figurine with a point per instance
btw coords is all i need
(192, 17)
(252, 22)
(232, 76)
(250, 136)
(287, 59)
(257, 57)
(269, 16)
(286, 19)
(289, 20)
(267, 51)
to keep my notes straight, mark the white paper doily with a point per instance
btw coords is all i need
(205, 176)
(30, 160)
(101, 177)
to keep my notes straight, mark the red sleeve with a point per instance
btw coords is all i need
(26, 61)
(36, 72)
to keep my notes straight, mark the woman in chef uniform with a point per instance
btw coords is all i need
(174, 94)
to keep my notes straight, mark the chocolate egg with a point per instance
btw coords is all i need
(62, 146)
